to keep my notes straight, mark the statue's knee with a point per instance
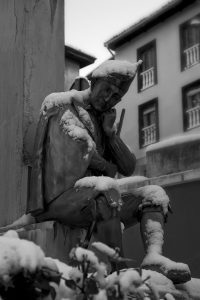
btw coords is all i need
(103, 211)
(152, 209)
(154, 199)
(104, 208)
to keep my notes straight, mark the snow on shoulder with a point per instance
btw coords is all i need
(62, 98)
(72, 126)
(174, 140)
(116, 66)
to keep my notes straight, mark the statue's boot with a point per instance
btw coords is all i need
(152, 224)
(26, 219)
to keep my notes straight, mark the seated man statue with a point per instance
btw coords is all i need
(76, 141)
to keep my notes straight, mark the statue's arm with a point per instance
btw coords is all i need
(100, 164)
(117, 151)
(121, 155)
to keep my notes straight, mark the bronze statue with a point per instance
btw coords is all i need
(76, 139)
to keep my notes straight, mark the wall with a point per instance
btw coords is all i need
(71, 72)
(173, 158)
(182, 230)
(32, 66)
(170, 80)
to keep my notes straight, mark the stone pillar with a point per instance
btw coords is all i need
(31, 67)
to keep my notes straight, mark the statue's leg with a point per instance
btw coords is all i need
(80, 207)
(108, 227)
(152, 215)
(24, 220)
(73, 208)
(152, 231)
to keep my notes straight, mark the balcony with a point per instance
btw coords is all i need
(148, 78)
(192, 55)
(193, 115)
(149, 135)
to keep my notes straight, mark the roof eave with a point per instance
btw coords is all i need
(147, 23)
(82, 58)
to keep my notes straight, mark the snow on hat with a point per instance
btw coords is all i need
(118, 72)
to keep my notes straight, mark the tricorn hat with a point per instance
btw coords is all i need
(118, 72)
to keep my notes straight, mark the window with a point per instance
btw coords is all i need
(191, 105)
(147, 74)
(190, 42)
(148, 123)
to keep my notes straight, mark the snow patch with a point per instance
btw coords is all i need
(82, 254)
(154, 239)
(76, 275)
(16, 254)
(165, 264)
(174, 140)
(192, 288)
(154, 234)
(130, 279)
(101, 274)
(102, 295)
(107, 185)
(116, 66)
(62, 291)
(104, 249)
(85, 118)
(131, 282)
(153, 195)
(169, 297)
(11, 234)
(63, 268)
(75, 129)
(112, 279)
(63, 98)
(101, 183)
(163, 284)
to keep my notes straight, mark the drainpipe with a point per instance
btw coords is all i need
(111, 52)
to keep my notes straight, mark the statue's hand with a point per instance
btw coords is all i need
(108, 120)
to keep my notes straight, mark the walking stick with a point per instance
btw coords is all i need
(119, 127)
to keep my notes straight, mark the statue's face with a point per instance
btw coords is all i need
(104, 96)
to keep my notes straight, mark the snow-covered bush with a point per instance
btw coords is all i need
(25, 273)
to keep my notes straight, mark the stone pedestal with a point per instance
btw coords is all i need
(32, 66)
(55, 240)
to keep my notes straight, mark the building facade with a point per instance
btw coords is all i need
(164, 99)
(162, 102)
(75, 60)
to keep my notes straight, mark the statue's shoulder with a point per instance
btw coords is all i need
(75, 123)
(70, 116)
(62, 99)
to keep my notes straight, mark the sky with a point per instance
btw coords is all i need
(89, 23)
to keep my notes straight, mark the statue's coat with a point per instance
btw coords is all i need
(60, 159)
